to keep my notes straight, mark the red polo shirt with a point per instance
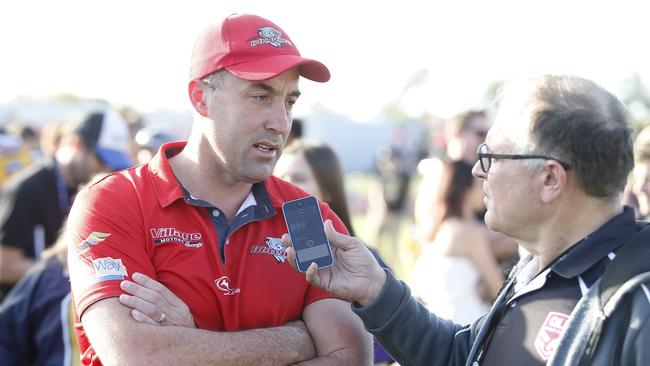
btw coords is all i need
(232, 276)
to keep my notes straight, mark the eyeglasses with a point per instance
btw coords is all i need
(485, 158)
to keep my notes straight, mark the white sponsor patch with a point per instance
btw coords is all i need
(107, 269)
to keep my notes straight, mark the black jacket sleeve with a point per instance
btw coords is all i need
(409, 332)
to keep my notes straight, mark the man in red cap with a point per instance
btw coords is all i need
(203, 220)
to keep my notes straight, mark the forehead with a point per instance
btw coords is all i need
(512, 122)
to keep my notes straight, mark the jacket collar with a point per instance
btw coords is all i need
(595, 246)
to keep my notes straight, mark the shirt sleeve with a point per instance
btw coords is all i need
(106, 241)
(315, 293)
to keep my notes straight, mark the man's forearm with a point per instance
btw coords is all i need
(123, 341)
(346, 356)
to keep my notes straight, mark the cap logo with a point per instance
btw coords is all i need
(269, 35)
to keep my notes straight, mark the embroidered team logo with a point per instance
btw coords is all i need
(549, 334)
(93, 239)
(269, 35)
(223, 283)
(273, 247)
(165, 235)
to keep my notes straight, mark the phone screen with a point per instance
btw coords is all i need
(308, 238)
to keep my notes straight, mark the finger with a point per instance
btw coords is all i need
(312, 274)
(142, 317)
(156, 286)
(144, 293)
(291, 257)
(141, 306)
(286, 240)
(340, 240)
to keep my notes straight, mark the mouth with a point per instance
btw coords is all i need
(265, 146)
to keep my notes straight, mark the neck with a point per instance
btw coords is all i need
(563, 230)
(199, 171)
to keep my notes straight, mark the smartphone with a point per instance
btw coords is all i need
(305, 224)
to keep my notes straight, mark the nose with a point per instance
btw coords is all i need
(280, 118)
(477, 171)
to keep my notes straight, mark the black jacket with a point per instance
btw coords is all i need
(414, 336)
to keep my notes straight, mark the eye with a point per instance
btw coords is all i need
(261, 97)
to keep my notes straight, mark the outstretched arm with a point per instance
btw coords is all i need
(355, 274)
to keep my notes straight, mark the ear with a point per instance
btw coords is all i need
(554, 180)
(195, 90)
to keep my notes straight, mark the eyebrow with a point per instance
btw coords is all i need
(270, 89)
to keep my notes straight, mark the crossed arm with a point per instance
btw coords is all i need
(330, 335)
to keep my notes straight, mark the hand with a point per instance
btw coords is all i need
(355, 274)
(153, 303)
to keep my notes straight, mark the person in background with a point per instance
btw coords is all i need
(148, 141)
(637, 193)
(36, 322)
(456, 274)
(14, 155)
(297, 128)
(35, 201)
(463, 134)
(554, 166)
(29, 138)
(314, 167)
(200, 224)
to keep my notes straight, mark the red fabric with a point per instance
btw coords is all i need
(252, 48)
(145, 204)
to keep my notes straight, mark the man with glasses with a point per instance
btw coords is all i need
(554, 166)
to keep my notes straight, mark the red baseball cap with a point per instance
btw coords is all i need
(251, 48)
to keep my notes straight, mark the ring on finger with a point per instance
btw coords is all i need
(162, 317)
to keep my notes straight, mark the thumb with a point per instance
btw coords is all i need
(339, 240)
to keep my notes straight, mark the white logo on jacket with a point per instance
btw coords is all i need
(549, 334)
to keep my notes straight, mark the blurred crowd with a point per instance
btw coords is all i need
(423, 214)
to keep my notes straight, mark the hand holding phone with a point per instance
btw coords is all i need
(305, 225)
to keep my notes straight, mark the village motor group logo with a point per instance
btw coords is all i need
(169, 234)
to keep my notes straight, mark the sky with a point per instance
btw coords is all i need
(137, 52)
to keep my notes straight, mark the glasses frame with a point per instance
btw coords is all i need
(489, 156)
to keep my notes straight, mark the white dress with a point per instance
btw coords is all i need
(447, 286)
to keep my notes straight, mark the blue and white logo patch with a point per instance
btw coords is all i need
(108, 268)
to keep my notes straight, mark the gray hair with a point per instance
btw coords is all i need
(577, 121)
